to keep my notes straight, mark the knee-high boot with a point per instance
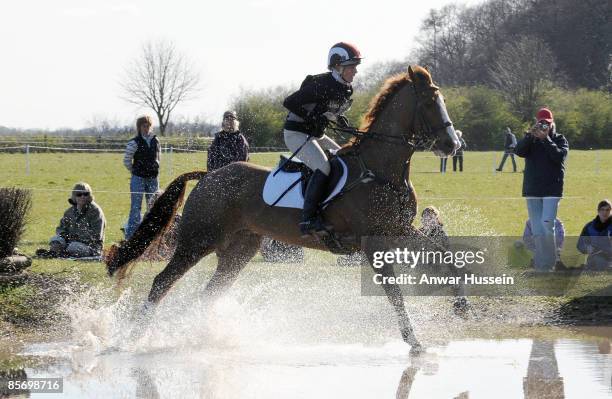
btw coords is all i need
(311, 220)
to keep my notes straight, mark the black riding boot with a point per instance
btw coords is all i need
(311, 220)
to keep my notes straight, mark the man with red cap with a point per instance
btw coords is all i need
(545, 152)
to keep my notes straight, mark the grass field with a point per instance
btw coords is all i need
(474, 202)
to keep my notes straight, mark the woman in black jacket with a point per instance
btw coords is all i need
(229, 144)
(545, 152)
(320, 99)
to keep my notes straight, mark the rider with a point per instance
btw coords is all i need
(321, 98)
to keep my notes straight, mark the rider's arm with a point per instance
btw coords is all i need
(307, 94)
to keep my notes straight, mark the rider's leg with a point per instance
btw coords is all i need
(314, 157)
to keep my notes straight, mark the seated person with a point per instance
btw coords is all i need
(596, 239)
(559, 239)
(432, 226)
(81, 230)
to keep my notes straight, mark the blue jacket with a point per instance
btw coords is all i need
(597, 235)
(544, 164)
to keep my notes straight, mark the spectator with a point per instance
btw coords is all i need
(509, 146)
(596, 239)
(545, 152)
(142, 160)
(432, 226)
(459, 153)
(81, 230)
(529, 242)
(229, 144)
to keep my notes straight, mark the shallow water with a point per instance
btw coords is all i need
(304, 331)
(473, 368)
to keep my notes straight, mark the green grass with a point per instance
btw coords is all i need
(474, 202)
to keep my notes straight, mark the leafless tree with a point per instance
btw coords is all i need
(523, 71)
(160, 78)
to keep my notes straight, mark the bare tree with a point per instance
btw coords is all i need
(160, 78)
(523, 70)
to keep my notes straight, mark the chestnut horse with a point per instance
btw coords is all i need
(225, 212)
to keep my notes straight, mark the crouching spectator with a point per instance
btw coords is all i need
(596, 239)
(81, 230)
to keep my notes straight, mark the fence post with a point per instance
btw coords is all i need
(170, 158)
(27, 156)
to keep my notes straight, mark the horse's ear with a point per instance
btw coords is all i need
(411, 73)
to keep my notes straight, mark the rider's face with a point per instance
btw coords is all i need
(348, 73)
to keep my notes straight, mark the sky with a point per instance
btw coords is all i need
(62, 60)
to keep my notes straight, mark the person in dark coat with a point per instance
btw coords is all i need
(509, 146)
(229, 144)
(458, 157)
(596, 239)
(545, 152)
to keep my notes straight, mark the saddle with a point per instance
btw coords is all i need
(286, 184)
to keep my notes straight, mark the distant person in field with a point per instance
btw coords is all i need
(458, 157)
(509, 146)
(596, 238)
(545, 152)
(529, 242)
(229, 144)
(81, 230)
(141, 158)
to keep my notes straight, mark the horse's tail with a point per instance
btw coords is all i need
(155, 222)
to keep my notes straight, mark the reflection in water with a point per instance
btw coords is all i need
(145, 384)
(543, 380)
(468, 369)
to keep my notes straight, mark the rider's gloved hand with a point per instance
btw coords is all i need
(317, 124)
(342, 122)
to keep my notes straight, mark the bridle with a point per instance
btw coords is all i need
(420, 135)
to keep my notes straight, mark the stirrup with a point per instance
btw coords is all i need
(314, 226)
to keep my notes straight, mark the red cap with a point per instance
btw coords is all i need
(544, 114)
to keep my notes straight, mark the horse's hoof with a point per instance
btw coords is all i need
(416, 349)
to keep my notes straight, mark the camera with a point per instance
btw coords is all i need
(542, 125)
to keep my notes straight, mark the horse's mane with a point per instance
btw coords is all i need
(383, 97)
(385, 94)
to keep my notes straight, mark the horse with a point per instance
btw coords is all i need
(225, 212)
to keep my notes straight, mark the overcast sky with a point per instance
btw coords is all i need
(62, 59)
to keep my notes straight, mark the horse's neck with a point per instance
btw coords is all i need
(389, 158)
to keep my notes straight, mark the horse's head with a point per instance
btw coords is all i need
(431, 120)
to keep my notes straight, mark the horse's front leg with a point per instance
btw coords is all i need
(394, 294)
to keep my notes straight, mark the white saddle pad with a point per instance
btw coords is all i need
(276, 185)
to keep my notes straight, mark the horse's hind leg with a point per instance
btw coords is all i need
(232, 258)
(186, 255)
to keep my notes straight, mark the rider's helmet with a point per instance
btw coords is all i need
(343, 54)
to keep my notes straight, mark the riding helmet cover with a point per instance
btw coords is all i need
(343, 54)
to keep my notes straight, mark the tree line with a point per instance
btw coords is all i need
(497, 62)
